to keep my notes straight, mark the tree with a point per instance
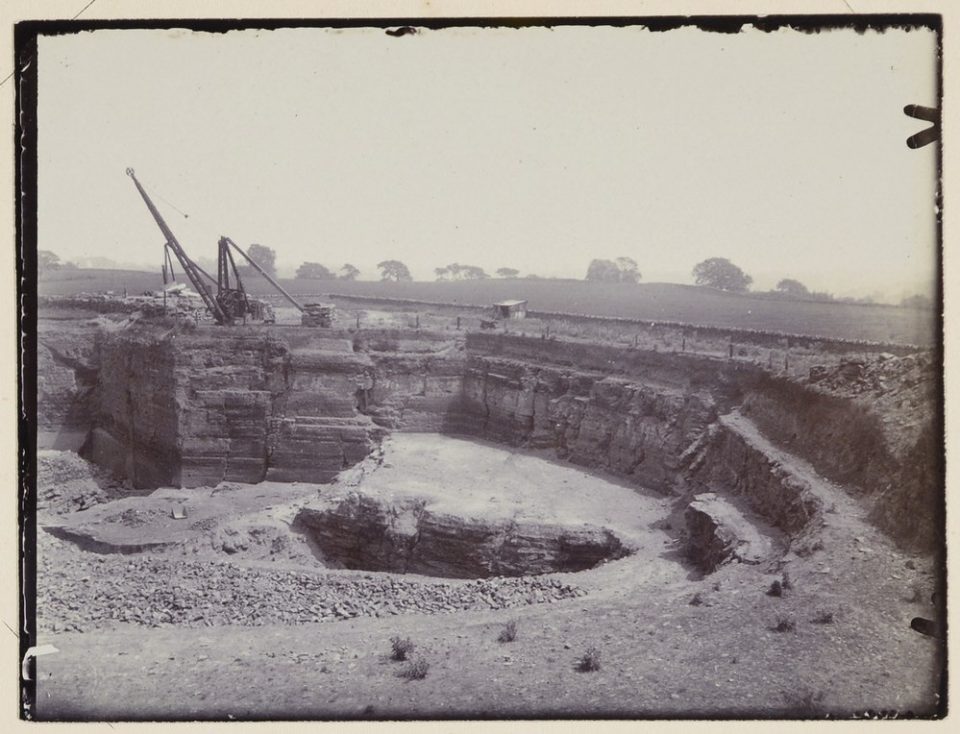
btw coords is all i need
(472, 272)
(603, 271)
(349, 272)
(507, 272)
(47, 261)
(718, 272)
(393, 270)
(623, 270)
(441, 273)
(628, 270)
(314, 271)
(791, 287)
(265, 257)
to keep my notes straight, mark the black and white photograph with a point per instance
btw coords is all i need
(437, 368)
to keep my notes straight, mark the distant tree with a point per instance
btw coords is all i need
(265, 257)
(314, 271)
(454, 271)
(718, 272)
(791, 287)
(68, 265)
(628, 270)
(472, 272)
(917, 301)
(507, 272)
(533, 276)
(393, 270)
(47, 261)
(822, 296)
(603, 271)
(349, 272)
(623, 270)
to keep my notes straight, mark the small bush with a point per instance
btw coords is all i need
(590, 661)
(784, 624)
(508, 633)
(401, 648)
(776, 589)
(415, 670)
(697, 600)
(823, 617)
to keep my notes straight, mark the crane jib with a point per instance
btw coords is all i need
(189, 267)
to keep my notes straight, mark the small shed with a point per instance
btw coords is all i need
(510, 310)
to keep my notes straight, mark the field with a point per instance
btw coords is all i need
(653, 301)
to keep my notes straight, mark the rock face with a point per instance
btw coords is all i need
(638, 423)
(733, 459)
(197, 408)
(404, 535)
(67, 365)
(717, 533)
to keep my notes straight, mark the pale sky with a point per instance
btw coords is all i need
(530, 148)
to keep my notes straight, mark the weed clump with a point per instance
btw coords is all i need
(823, 617)
(784, 624)
(590, 661)
(401, 648)
(415, 670)
(697, 600)
(776, 589)
(508, 633)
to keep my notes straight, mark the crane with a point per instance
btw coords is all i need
(192, 270)
(231, 301)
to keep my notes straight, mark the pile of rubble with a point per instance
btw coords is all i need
(81, 591)
(66, 483)
(885, 372)
(183, 304)
(317, 314)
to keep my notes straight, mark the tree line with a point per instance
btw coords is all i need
(714, 272)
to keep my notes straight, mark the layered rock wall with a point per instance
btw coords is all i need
(405, 535)
(196, 408)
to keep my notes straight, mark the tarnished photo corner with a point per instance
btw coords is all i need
(453, 377)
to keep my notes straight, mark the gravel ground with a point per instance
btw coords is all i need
(79, 591)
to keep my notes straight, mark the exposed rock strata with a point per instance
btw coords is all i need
(717, 533)
(405, 535)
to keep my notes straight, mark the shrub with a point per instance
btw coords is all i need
(402, 647)
(697, 600)
(784, 624)
(823, 617)
(590, 661)
(776, 589)
(416, 670)
(508, 633)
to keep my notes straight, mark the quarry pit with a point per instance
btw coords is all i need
(445, 472)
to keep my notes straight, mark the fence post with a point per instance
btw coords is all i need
(418, 321)
(683, 344)
(358, 322)
(458, 323)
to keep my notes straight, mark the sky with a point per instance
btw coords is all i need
(537, 149)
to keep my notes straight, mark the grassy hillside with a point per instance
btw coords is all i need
(655, 301)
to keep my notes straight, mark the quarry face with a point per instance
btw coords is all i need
(674, 510)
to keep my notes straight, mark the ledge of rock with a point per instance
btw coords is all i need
(717, 532)
(403, 534)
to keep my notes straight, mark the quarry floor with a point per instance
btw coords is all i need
(671, 643)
